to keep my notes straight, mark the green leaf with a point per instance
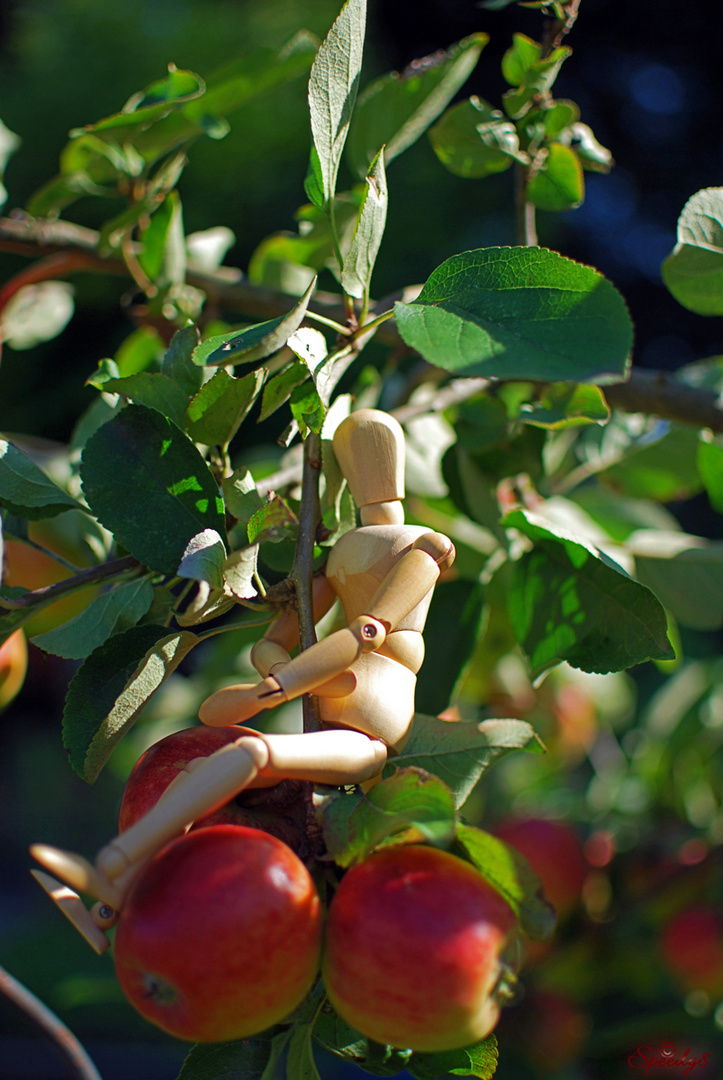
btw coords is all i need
(520, 313)
(278, 389)
(570, 602)
(593, 155)
(563, 405)
(240, 495)
(511, 875)
(9, 142)
(272, 521)
(148, 484)
(107, 614)
(333, 87)
(710, 469)
(693, 272)
(307, 409)
(685, 573)
(255, 342)
(663, 468)
(356, 273)
(474, 140)
(394, 110)
(451, 631)
(112, 687)
(300, 1063)
(410, 801)
(239, 572)
(238, 83)
(537, 80)
(520, 58)
(150, 388)
(561, 115)
(559, 184)
(177, 362)
(163, 258)
(314, 180)
(36, 312)
(26, 491)
(204, 558)
(245, 1059)
(460, 752)
(479, 1060)
(221, 405)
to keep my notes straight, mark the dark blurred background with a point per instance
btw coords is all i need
(647, 76)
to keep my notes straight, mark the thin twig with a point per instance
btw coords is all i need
(91, 576)
(48, 1024)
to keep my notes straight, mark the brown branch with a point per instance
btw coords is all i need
(661, 394)
(83, 578)
(47, 1023)
(557, 29)
(658, 393)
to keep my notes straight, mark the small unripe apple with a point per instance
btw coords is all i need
(416, 949)
(555, 854)
(161, 764)
(220, 936)
(13, 666)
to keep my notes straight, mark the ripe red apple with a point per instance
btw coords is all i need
(691, 945)
(416, 946)
(13, 666)
(220, 936)
(555, 854)
(163, 761)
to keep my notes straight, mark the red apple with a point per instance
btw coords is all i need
(220, 936)
(13, 666)
(163, 761)
(555, 854)
(415, 949)
(691, 945)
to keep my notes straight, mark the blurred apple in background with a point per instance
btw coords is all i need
(554, 852)
(691, 946)
(13, 666)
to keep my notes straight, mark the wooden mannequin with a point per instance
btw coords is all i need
(364, 675)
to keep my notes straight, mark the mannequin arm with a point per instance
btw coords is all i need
(338, 756)
(405, 586)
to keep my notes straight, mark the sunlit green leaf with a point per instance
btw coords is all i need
(356, 273)
(520, 313)
(559, 184)
(570, 602)
(513, 878)
(473, 140)
(694, 270)
(562, 405)
(220, 406)
(459, 752)
(255, 342)
(410, 801)
(479, 1061)
(333, 87)
(685, 573)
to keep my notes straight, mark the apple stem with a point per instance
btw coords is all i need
(48, 1024)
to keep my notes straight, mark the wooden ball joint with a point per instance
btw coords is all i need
(364, 675)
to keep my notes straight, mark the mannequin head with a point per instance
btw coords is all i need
(369, 446)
